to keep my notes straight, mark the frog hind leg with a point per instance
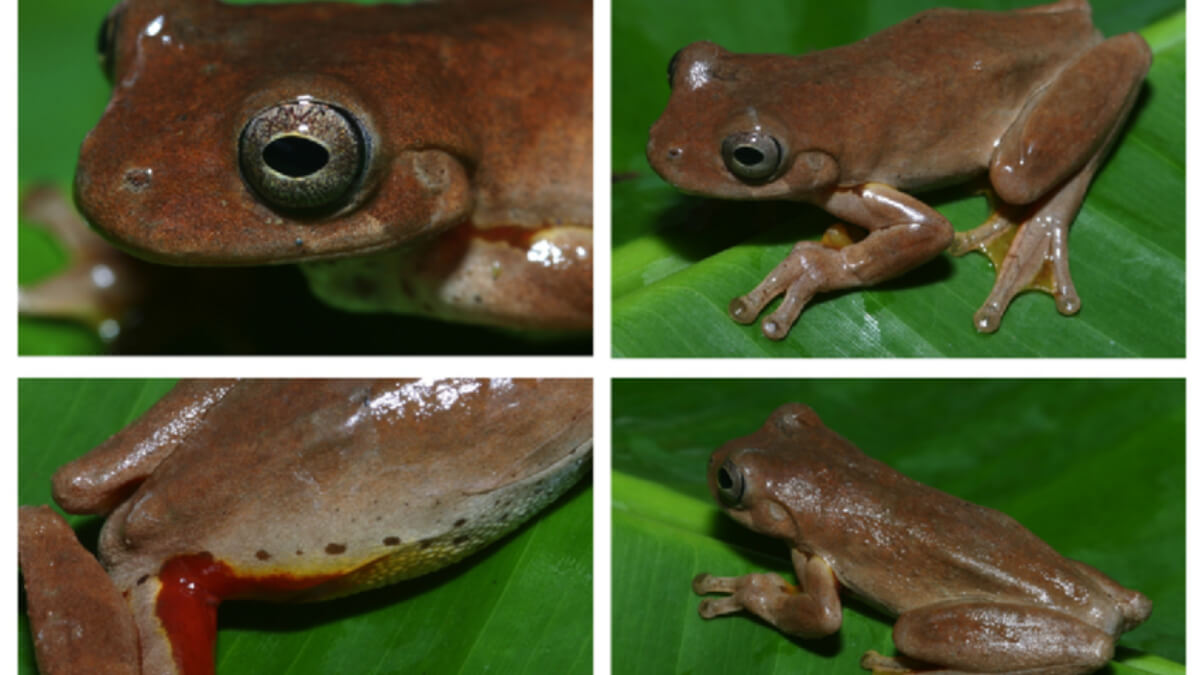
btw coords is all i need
(101, 480)
(1041, 164)
(974, 637)
(80, 622)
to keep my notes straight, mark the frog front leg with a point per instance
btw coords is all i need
(812, 610)
(989, 637)
(903, 233)
(101, 286)
(100, 480)
(1045, 162)
(79, 620)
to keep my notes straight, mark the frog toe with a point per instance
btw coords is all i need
(1032, 257)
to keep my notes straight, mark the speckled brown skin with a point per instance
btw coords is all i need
(1030, 99)
(973, 590)
(98, 634)
(474, 111)
(354, 483)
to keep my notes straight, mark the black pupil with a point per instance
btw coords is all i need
(295, 157)
(724, 480)
(748, 156)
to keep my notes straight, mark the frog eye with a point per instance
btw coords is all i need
(752, 156)
(731, 485)
(671, 68)
(106, 41)
(303, 154)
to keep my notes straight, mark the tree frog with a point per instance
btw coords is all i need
(1031, 100)
(428, 158)
(292, 490)
(973, 590)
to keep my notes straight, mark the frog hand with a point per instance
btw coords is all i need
(100, 286)
(902, 233)
(810, 612)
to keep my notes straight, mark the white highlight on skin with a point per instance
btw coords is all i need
(155, 26)
(910, 215)
(546, 254)
(697, 75)
(422, 398)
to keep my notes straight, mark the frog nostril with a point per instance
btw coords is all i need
(295, 156)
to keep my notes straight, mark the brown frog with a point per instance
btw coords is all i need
(430, 158)
(973, 591)
(1032, 100)
(291, 490)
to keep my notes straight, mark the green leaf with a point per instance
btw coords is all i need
(678, 261)
(523, 605)
(1094, 467)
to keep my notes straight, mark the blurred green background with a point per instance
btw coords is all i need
(522, 605)
(679, 260)
(1093, 467)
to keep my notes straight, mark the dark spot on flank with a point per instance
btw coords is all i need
(426, 543)
(262, 555)
(335, 549)
(299, 551)
(461, 540)
(391, 541)
(460, 522)
(142, 579)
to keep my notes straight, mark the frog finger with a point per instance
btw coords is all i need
(778, 323)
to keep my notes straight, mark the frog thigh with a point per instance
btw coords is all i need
(991, 636)
(100, 480)
(80, 622)
(1074, 118)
